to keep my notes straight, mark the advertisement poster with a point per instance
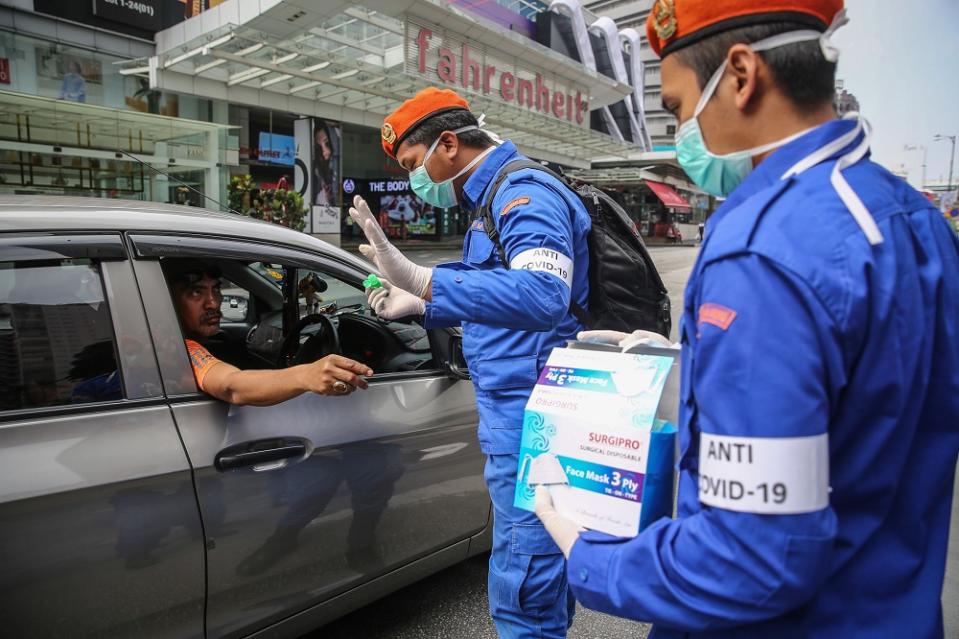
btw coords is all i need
(67, 76)
(317, 173)
(409, 213)
(400, 213)
(140, 97)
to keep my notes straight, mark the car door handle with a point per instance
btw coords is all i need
(262, 451)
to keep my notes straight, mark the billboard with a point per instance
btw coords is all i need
(317, 173)
(138, 18)
(68, 76)
(399, 212)
(408, 212)
(143, 14)
(276, 148)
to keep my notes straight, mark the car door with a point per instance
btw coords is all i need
(307, 499)
(99, 526)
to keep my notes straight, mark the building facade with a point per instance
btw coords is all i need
(633, 14)
(170, 101)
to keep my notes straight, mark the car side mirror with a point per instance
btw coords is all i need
(455, 366)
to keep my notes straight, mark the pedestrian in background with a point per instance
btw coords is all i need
(512, 316)
(819, 414)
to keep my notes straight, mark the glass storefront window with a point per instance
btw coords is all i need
(49, 174)
(53, 70)
(55, 140)
(58, 147)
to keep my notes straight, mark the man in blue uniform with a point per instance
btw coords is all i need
(511, 318)
(820, 358)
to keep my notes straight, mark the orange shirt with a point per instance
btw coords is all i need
(201, 360)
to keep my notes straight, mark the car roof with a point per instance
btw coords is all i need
(19, 213)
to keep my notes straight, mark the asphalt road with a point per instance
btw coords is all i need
(453, 604)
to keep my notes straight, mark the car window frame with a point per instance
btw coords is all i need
(139, 377)
(149, 246)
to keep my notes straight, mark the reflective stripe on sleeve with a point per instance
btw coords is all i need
(764, 475)
(547, 261)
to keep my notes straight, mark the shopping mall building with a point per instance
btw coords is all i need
(167, 100)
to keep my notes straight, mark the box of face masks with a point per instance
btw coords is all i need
(598, 432)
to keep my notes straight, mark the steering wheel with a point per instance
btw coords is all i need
(322, 343)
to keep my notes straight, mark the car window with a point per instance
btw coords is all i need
(259, 328)
(317, 290)
(271, 272)
(235, 306)
(385, 346)
(56, 337)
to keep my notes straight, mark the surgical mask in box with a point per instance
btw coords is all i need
(598, 432)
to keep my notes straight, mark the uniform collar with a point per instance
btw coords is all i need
(477, 184)
(781, 160)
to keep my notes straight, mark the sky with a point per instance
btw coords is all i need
(900, 58)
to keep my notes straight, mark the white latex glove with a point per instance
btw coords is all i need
(625, 340)
(564, 531)
(391, 302)
(388, 259)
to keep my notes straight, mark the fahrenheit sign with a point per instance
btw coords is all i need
(432, 53)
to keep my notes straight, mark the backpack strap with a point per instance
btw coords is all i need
(485, 213)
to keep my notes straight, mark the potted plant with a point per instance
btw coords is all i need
(281, 205)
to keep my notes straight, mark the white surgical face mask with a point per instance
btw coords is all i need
(719, 175)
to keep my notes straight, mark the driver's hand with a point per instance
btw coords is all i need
(324, 373)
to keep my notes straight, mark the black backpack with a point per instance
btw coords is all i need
(625, 290)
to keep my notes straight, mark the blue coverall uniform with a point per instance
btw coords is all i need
(511, 320)
(795, 326)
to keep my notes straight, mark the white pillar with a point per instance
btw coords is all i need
(211, 175)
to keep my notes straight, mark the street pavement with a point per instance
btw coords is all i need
(453, 603)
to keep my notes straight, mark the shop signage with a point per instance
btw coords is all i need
(388, 186)
(437, 55)
(399, 212)
(4, 71)
(265, 155)
(144, 14)
(186, 151)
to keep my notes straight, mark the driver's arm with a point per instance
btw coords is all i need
(268, 387)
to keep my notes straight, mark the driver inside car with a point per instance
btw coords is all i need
(195, 287)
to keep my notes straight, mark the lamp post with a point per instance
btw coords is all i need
(952, 154)
(919, 147)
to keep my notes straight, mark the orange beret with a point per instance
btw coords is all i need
(427, 103)
(674, 24)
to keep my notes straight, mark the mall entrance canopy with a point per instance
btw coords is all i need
(60, 147)
(357, 62)
(664, 170)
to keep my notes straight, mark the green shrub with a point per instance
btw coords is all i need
(281, 205)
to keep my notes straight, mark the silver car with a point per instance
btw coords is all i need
(132, 505)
